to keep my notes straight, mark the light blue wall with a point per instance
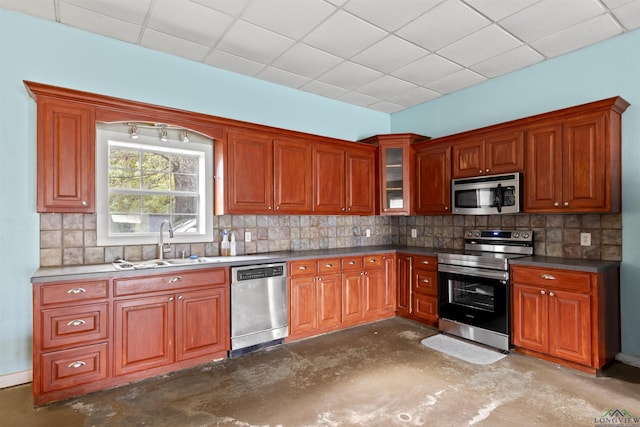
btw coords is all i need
(610, 68)
(42, 51)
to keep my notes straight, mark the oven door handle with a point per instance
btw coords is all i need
(474, 272)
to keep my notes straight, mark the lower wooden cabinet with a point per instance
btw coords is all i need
(568, 317)
(417, 277)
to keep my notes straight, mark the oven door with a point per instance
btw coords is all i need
(474, 296)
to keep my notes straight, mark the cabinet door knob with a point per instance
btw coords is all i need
(84, 203)
(556, 204)
(76, 322)
(566, 203)
(277, 208)
(551, 294)
(548, 276)
(446, 208)
(486, 170)
(170, 298)
(480, 171)
(348, 209)
(362, 273)
(269, 207)
(542, 292)
(175, 279)
(76, 365)
(76, 291)
(343, 209)
(319, 279)
(180, 297)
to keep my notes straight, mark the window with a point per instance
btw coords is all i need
(144, 181)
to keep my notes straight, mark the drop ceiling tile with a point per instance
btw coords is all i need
(306, 60)
(173, 45)
(455, 81)
(337, 2)
(442, 25)
(234, 63)
(282, 77)
(44, 9)
(344, 35)
(426, 69)
(499, 9)
(479, 46)
(387, 13)
(358, 99)
(189, 21)
(385, 87)
(613, 4)
(255, 43)
(414, 96)
(97, 23)
(550, 16)
(324, 89)
(285, 16)
(349, 75)
(386, 107)
(134, 12)
(507, 62)
(629, 15)
(230, 7)
(583, 34)
(389, 54)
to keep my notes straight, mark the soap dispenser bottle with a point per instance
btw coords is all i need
(232, 245)
(224, 246)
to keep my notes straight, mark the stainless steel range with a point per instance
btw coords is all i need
(473, 286)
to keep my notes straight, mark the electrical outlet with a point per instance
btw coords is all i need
(414, 233)
(367, 232)
(247, 236)
(585, 239)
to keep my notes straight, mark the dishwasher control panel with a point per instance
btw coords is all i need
(259, 272)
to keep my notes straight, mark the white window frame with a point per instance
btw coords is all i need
(118, 134)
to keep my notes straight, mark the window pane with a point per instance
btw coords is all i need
(185, 204)
(124, 203)
(156, 204)
(184, 182)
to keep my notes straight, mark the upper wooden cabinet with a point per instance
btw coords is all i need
(396, 171)
(573, 163)
(66, 156)
(489, 154)
(433, 179)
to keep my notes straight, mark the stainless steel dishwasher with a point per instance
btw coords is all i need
(259, 314)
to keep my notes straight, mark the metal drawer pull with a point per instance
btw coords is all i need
(76, 291)
(548, 277)
(328, 265)
(352, 262)
(425, 262)
(372, 260)
(175, 279)
(302, 267)
(76, 322)
(76, 365)
(425, 280)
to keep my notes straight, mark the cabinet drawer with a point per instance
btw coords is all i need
(373, 261)
(352, 263)
(69, 368)
(426, 282)
(170, 281)
(73, 291)
(425, 262)
(74, 325)
(302, 268)
(552, 278)
(331, 265)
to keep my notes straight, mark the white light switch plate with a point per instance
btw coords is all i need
(247, 236)
(414, 233)
(585, 239)
(367, 232)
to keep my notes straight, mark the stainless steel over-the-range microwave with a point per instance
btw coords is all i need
(487, 195)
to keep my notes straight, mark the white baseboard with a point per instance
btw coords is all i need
(628, 359)
(17, 378)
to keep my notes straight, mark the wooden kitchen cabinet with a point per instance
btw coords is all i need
(418, 288)
(404, 295)
(293, 183)
(364, 289)
(489, 154)
(433, 179)
(65, 156)
(564, 316)
(389, 286)
(573, 162)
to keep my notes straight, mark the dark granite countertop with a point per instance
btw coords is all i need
(587, 265)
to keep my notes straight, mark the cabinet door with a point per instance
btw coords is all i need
(404, 266)
(329, 179)
(352, 296)
(570, 326)
(373, 287)
(585, 165)
(302, 305)
(468, 158)
(529, 317)
(250, 175)
(425, 308)
(543, 172)
(389, 286)
(395, 171)
(66, 157)
(433, 180)
(360, 180)
(202, 321)
(144, 331)
(504, 153)
(293, 191)
(328, 300)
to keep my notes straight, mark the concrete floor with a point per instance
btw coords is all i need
(373, 375)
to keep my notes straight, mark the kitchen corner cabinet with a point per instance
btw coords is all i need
(568, 317)
(65, 156)
(417, 288)
(433, 179)
(396, 171)
(489, 154)
(573, 163)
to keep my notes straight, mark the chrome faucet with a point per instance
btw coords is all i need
(164, 248)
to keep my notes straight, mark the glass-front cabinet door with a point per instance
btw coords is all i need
(396, 171)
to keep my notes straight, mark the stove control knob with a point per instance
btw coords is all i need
(477, 234)
(469, 233)
(525, 235)
(516, 235)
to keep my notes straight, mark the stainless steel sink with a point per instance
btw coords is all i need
(122, 264)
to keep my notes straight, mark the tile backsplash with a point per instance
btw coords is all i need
(70, 239)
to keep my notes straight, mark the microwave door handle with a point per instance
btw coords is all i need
(499, 198)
